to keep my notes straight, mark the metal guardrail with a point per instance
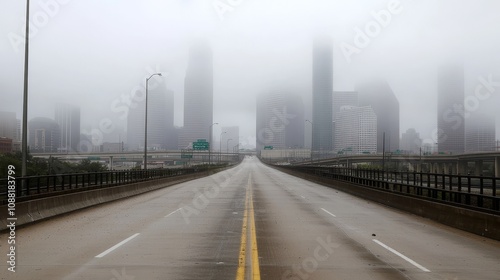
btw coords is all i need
(475, 192)
(33, 187)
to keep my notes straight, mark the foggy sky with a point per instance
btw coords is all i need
(94, 53)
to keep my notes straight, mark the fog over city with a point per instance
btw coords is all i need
(95, 54)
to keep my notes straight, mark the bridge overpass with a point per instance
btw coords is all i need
(449, 164)
(113, 158)
(248, 222)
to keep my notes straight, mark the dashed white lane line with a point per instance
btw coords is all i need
(303, 197)
(173, 212)
(328, 212)
(402, 256)
(116, 246)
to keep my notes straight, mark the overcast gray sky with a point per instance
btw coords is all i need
(92, 53)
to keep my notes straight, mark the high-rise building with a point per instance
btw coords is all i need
(378, 94)
(339, 100)
(8, 125)
(68, 118)
(44, 135)
(356, 130)
(451, 125)
(280, 121)
(233, 133)
(198, 95)
(411, 141)
(480, 132)
(322, 71)
(160, 121)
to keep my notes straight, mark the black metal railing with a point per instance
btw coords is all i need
(476, 192)
(36, 186)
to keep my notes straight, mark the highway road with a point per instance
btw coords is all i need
(248, 222)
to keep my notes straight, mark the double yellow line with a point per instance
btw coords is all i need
(248, 221)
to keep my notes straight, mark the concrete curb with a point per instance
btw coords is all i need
(40, 209)
(483, 224)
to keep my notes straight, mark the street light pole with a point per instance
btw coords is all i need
(146, 123)
(220, 144)
(24, 170)
(210, 143)
(227, 147)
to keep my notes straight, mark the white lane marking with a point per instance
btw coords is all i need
(328, 212)
(116, 246)
(173, 212)
(303, 197)
(402, 256)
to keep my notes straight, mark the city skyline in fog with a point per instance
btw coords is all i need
(96, 55)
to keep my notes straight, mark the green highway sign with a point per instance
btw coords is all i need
(268, 147)
(201, 140)
(186, 156)
(94, 158)
(201, 146)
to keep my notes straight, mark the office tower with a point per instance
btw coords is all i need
(233, 133)
(356, 130)
(198, 95)
(160, 120)
(8, 126)
(44, 135)
(378, 94)
(68, 118)
(322, 95)
(480, 132)
(411, 141)
(280, 120)
(339, 100)
(451, 126)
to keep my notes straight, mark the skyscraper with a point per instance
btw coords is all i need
(8, 125)
(198, 95)
(44, 135)
(480, 133)
(411, 141)
(68, 118)
(280, 120)
(339, 100)
(160, 120)
(451, 125)
(378, 94)
(322, 70)
(356, 130)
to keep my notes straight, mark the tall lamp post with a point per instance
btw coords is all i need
(146, 123)
(227, 147)
(24, 145)
(210, 143)
(220, 144)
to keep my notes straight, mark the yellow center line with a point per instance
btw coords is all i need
(255, 252)
(249, 213)
(240, 273)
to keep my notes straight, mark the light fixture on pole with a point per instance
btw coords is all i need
(146, 123)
